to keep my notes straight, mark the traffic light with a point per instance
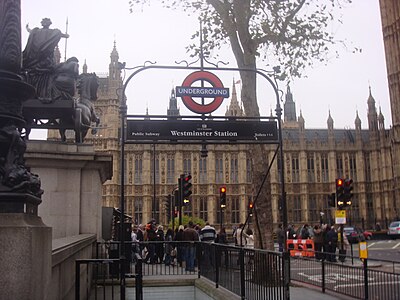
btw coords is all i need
(168, 206)
(222, 196)
(184, 190)
(251, 206)
(339, 193)
(332, 200)
(348, 191)
(167, 203)
(186, 186)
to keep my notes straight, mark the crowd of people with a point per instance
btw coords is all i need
(326, 239)
(178, 246)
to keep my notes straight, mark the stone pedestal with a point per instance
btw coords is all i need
(72, 177)
(25, 256)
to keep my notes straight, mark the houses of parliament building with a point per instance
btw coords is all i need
(313, 159)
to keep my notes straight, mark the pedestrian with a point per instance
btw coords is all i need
(135, 243)
(140, 239)
(250, 244)
(290, 233)
(332, 238)
(190, 236)
(150, 237)
(240, 236)
(342, 248)
(168, 247)
(318, 242)
(160, 244)
(305, 233)
(208, 234)
(280, 237)
(180, 257)
(249, 238)
(222, 239)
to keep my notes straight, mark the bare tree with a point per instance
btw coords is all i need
(292, 33)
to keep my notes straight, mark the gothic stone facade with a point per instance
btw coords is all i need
(313, 159)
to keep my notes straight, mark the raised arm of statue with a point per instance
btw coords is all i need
(27, 28)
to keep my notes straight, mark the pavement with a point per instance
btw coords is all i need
(302, 291)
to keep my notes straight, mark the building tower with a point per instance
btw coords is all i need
(390, 15)
(173, 109)
(234, 108)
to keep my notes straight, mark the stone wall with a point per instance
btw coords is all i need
(65, 252)
(72, 177)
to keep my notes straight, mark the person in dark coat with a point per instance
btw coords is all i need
(331, 240)
(169, 236)
(160, 244)
(190, 236)
(150, 236)
(280, 237)
(222, 239)
(179, 246)
(318, 242)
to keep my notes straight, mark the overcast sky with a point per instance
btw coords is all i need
(159, 35)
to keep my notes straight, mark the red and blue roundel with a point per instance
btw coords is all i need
(187, 92)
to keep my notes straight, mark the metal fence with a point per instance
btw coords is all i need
(369, 279)
(249, 273)
(93, 280)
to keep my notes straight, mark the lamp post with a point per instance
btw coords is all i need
(29, 252)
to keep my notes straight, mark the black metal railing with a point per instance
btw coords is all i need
(367, 279)
(101, 278)
(158, 258)
(249, 273)
(93, 280)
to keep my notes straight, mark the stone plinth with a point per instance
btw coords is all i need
(25, 256)
(72, 177)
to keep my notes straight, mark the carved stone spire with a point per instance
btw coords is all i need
(84, 68)
(173, 109)
(234, 108)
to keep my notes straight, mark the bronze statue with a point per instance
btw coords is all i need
(87, 89)
(65, 77)
(38, 59)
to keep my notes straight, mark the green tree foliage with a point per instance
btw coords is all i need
(186, 219)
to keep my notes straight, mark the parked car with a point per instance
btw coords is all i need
(394, 230)
(354, 234)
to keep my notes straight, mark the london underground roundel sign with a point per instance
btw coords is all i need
(188, 91)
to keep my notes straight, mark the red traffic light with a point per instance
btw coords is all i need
(339, 182)
(187, 178)
(222, 189)
(251, 205)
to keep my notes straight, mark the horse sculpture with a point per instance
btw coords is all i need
(85, 113)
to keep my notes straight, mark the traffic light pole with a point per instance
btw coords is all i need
(220, 216)
(180, 200)
(341, 238)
